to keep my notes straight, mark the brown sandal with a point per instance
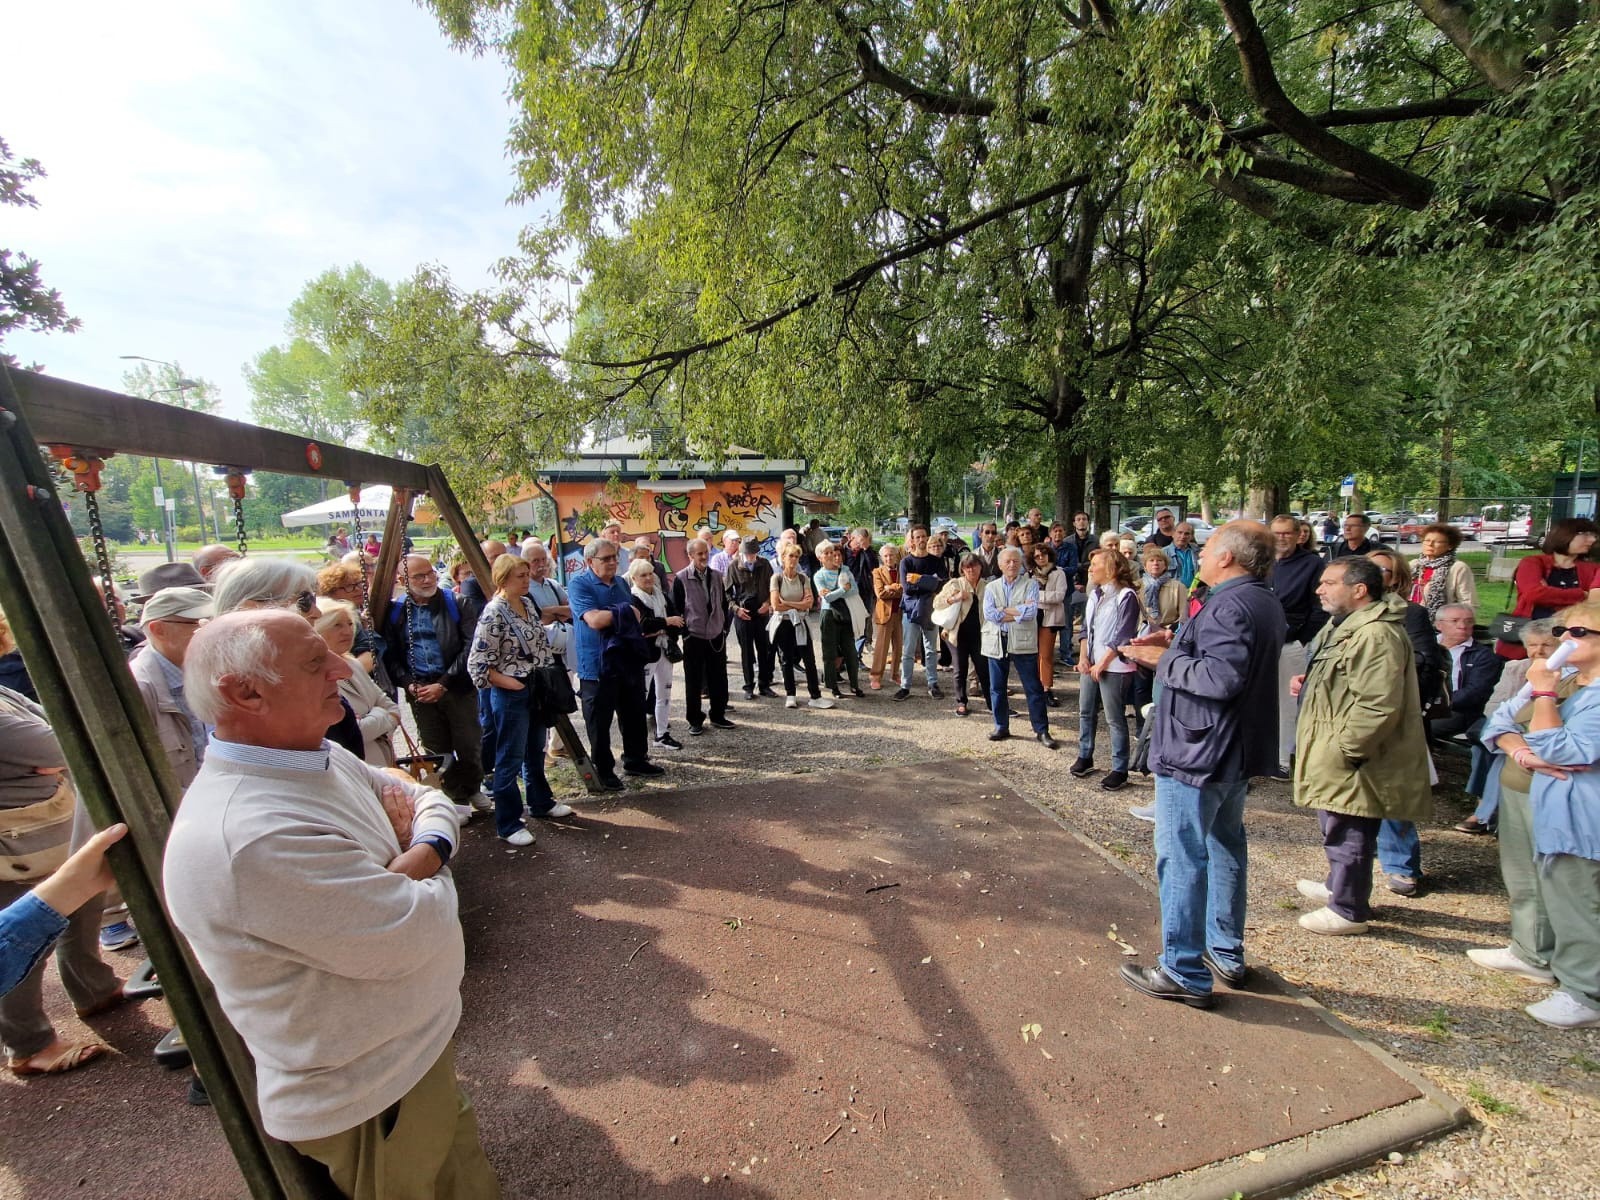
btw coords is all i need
(78, 1055)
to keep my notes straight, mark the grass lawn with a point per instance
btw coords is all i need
(1494, 595)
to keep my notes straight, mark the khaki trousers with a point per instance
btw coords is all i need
(885, 647)
(425, 1147)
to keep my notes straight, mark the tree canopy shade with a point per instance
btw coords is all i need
(1040, 219)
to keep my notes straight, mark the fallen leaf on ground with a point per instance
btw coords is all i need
(1032, 1030)
(927, 960)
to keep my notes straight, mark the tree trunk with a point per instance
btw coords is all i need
(1447, 460)
(1071, 500)
(1266, 501)
(919, 503)
(1205, 507)
(1100, 492)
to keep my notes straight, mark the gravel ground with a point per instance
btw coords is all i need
(1534, 1092)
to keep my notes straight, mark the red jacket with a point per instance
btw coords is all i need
(1532, 592)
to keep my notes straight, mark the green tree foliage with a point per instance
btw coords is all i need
(1212, 238)
(25, 301)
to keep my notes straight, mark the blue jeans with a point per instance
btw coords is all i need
(1112, 692)
(519, 750)
(1028, 673)
(912, 633)
(486, 723)
(1201, 865)
(1400, 849)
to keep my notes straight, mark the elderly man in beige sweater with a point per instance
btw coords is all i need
(312, 888)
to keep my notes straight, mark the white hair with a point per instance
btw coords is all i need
(529, 544)
(594, 545)
(638, 568)
(332, 609)
(240, 646)
(265, 581)
(1012, 551)
(1468, 609)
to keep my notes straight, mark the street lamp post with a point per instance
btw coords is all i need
(167, 522)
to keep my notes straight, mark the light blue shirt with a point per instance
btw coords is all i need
(173, 675)
(241, 755)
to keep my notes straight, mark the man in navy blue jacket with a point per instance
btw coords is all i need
(921, 576)
(1215, 725)
(1293, 579)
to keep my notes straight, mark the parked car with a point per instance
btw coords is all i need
(1469, 525)
(1411, 531)
(945, 525)
(1202, 529)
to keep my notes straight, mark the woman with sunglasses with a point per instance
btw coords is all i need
(1546, 743)
(283, 583)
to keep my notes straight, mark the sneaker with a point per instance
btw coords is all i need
(667, 742)
(611, 783)
(1114, 780)
(644, 768)
(857, 692)
(903, 694)
(197, 1093)
(819, 702)
(556, 812)
(1501, 958)
(790, 702)
(723, 723)
(1081, 767)
(1144, 812)
(464, 812)
(1474, 826)
(1561, 1010)
(481, 803)
(934, 693)
(1325, 920)
(520, 838)
(767, 693)
(1312, 890)
(749, 693)
(697, 730)
(836, 693)
(119, 936)
(1400, 885)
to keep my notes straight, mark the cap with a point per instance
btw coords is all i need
(169, 575)
(186, 602)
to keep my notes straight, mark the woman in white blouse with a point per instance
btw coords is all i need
(376, 714)
(508, 646)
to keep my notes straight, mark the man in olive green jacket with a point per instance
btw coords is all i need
(1362, 754)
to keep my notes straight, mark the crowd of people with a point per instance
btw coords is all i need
(306, 867)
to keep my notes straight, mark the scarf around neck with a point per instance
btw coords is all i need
(1432, 594)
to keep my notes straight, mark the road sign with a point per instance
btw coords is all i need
(1348, 487)
(160, 495)
(172, 504)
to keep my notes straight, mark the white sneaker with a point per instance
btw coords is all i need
(819, 702)
(1312, 890)
(1561, 1011)
(1325, 920)
(1144, 812)
(790, 702)
(1501, 958)
(558, 810)
(464, 812)
(520, 838)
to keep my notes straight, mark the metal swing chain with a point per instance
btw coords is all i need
(236, 479)
(85, 466)
(361, 551)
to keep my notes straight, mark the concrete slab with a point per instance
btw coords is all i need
(889, 983)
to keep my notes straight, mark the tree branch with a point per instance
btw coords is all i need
(666, 359)
(1261, 83)
(1445, 106)
(1454, 21)
(939, 104)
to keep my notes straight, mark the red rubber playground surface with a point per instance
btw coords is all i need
(884, 983)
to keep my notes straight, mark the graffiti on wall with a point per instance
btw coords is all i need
(747, 506)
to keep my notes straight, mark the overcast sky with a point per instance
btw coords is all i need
(208, 157)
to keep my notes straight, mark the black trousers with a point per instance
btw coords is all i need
(793, 654)
(450, 726)
(705, 672)
(622, 698)
(967, 651)
(1351, 843)
(755, 651)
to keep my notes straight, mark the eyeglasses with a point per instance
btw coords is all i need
(305, 601)
(1576, 631)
